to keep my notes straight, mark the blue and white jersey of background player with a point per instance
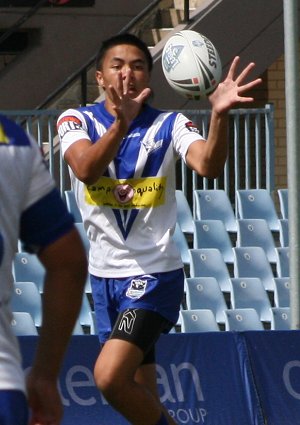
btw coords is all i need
(130, 212)
(32, 210)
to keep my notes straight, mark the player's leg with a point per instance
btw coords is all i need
(13, 408)
(146, 376)
(115, 372)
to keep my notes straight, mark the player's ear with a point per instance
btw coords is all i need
(99, 79)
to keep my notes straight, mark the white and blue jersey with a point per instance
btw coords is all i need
(32, 210)
(130, 212)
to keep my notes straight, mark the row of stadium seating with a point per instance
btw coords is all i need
(245, 255)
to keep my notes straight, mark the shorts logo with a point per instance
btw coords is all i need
(127, 321)
(137, 288)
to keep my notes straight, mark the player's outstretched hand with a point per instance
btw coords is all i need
(44, 401)
(125, 98)
(233, 88)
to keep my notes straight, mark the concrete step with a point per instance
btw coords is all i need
(171, 17)
(179, 4)
(152, 36)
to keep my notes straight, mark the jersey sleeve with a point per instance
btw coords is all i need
(185, 132)
(44, 222)
(71, 127)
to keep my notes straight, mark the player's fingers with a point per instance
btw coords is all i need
(240, 78)
(232, 69)
(250, 85)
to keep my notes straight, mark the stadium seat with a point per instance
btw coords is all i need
(283, 262)
(78, 329)
(257, 203)
(209, 262)
(182, 244)
(256, 232)
(283, 202)
(184, 214)
(242, 319)
(252, 262)
(282, 294)
(284, 232)
(27, 298)
(84, 315)
(28, 268)
(281, 319)
(205, 293)
(72, 205)
(93, 327)
(198, 321)
(214, 204)
(23, 324)
(250, 293)
(213, 234)
(82, 232)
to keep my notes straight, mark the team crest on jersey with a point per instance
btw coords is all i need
(152, 145)
(3, 136)
(137, 288)
(68, 123)
(192, 127)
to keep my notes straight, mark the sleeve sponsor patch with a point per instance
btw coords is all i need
(192, 127)
(68, 123)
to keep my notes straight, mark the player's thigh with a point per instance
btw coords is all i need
(146, 375)
(13, 408)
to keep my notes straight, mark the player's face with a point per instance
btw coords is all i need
(121, 59)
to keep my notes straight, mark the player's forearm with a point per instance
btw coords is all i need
(60, 311)
(216, 146)
(91, 164)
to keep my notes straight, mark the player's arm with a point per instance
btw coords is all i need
(88, 160)
(47, 228)
(208, 158)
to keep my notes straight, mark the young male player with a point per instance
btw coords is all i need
(122, 156)
(31, 210)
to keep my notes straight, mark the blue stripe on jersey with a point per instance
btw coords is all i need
(12, 134)
(156, 157)
(44, 222)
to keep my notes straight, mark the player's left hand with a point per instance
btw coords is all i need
(44, 401)
(232, 89)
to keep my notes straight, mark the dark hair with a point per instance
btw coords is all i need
(123, 38)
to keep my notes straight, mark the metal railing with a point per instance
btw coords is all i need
(250, 162)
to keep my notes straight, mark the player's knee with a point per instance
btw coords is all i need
(107, 381)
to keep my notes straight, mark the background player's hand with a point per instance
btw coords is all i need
(232, 89)
(44, 401)
(127, 100)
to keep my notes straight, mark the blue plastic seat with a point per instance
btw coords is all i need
(205, 293)
(184, 214)
(250, 293)
(27, 298)
(283, 195)
(22, 324)
(182, 244)
(282, 292)
(257, 203)
(214, 204)
(284, 232)
(281, 319)
(210, 262)
(242, 319)
(256, 232)
(84, 315)
(72, 205)
(28, 268)
(252, 262)
(81, 230)
(213, 234)
(283, 262)
(198, 321)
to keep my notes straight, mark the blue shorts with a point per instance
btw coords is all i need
(159, 292)
(13, 408)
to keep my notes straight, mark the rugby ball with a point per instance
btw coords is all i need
(191, 64)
